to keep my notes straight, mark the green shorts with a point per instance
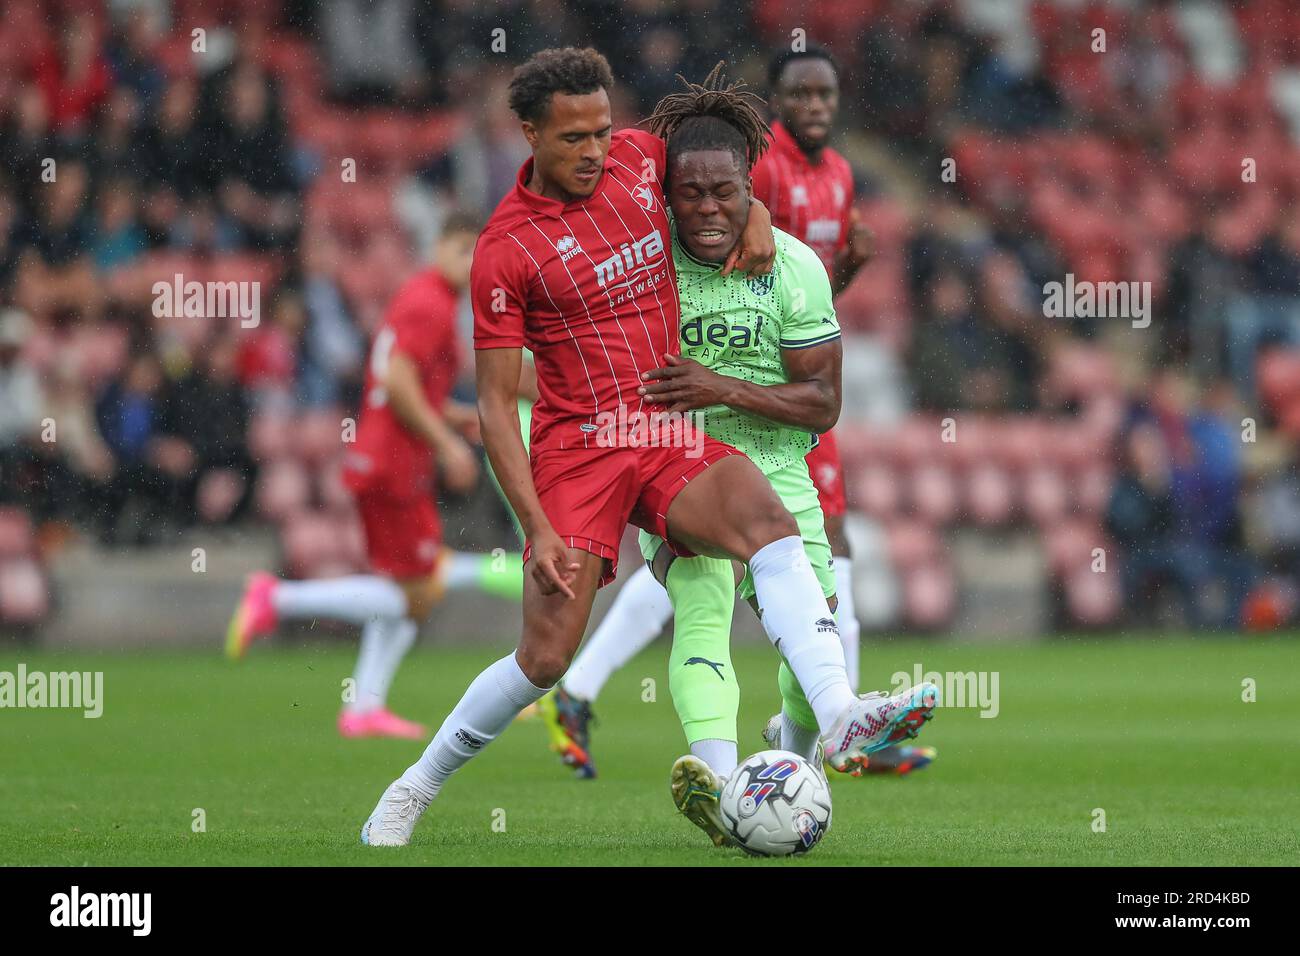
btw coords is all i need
(797, 492)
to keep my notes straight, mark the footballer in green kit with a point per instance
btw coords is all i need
(760, 368)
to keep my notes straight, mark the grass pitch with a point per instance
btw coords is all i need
(1154, 733)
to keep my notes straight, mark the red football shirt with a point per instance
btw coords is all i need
(811, 201)
(588, 286)
(421, 324)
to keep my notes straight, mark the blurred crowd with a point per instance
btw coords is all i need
(999, 145)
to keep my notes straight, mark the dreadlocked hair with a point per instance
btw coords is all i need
(711, 115)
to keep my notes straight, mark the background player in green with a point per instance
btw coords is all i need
(761, 359)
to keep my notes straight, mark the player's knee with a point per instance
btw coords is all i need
(771, 522)
(543, 666)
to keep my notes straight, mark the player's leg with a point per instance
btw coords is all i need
(640, 611)
(701, 679)
(588, 499)
(553, 627)
(730, 507)
(827, 474)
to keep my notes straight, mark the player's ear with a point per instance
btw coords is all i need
(749, 186)
(531, 133)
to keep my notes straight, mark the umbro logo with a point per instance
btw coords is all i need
(827, 625)
(717, 668)
(469, 740)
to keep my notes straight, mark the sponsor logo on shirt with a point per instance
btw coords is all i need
(631, 258)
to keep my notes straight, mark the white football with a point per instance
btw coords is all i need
(776, 804)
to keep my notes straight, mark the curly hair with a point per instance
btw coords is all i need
(711, 115)
(570, 70)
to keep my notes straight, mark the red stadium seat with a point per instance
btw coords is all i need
(318, 435)
(990, 497)
(1093, 599)
(911, 543)
(1046, 495)
(933, 493)
(283, 489)
(24, 592)
(929, 596)
(17, 537)
(218, 493)
(874, 488)
(312, 541)
(1070, 545)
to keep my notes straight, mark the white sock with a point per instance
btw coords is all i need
(796, 739)
(492, 701)
(799, 623)
(384, 642)
(640, 612)
(720, 755)
(847, 618)
(358, 598)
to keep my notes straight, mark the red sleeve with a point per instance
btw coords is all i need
(846, 177)
(498, 292)
(650, 151)
(761, 175)
(416, 320)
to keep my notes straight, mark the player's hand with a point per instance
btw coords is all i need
(755, 254)
(861, 240)
(459, 466)
(552, 569)
(685, 384)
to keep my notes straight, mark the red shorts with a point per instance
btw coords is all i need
(827, 475)
(403, 536)
(590, 495)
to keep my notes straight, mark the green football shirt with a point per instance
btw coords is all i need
(738, 326)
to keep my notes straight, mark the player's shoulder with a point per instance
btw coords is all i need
(634, 140)
(794, 254)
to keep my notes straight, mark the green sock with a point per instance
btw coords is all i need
(700, 675)
(793, 701)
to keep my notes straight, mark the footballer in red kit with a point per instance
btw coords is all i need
(407, 422)
(575, 265)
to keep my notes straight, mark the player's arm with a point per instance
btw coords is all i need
(810, 400)
(755, 254)
(498, 372)
(855, 254)
(401, 382)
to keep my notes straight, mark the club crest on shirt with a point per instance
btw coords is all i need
(644, 194)
(799, 195)
(761, 285)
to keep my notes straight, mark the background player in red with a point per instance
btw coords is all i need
(406, 414)
(808, 188)
(575, 264)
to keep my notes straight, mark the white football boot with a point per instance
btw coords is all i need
(394, 817)
(874, 722)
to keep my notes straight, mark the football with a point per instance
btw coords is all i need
(776, 804)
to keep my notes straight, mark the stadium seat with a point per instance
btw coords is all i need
(1093, 599)
(24, 592)
(283, 489)
(17, 536)
(990, 499)
(929, 596)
